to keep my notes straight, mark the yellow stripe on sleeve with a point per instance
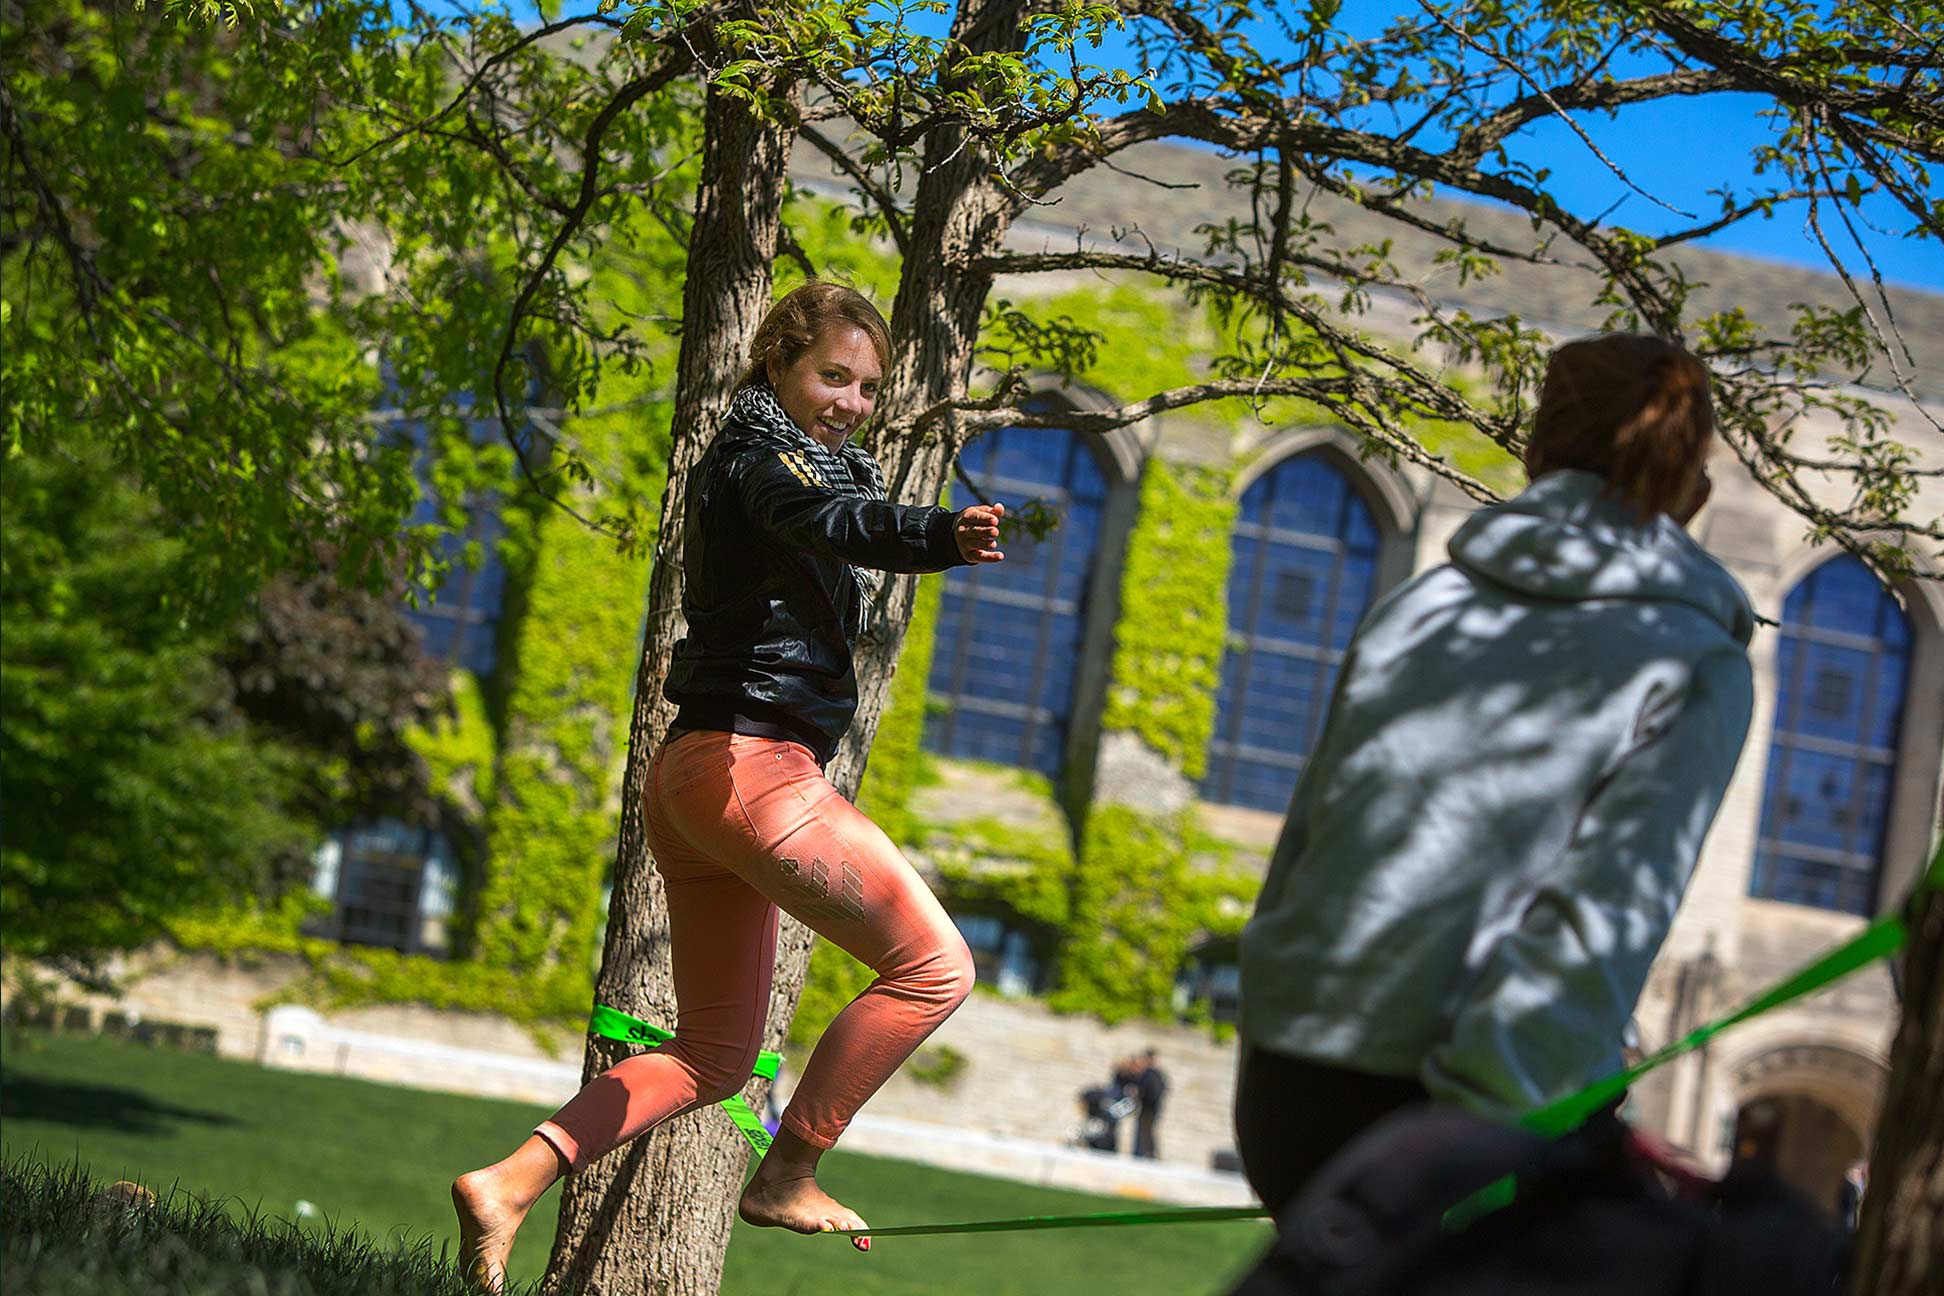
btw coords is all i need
(789, 461)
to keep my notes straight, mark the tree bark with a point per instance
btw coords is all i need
(1899, 1249)
(655, 1215)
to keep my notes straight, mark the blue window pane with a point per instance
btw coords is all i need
(1358, 592)
(1840, 595)
(389, 884)
(1360, 529)
(1303, 573)
(983, 933)
(1816, 797)
(1887, 698)
(1830, 698)
(1243, 558)
(1842, 666)
(460, 617)
(1895, 627)
(1002, 954)
(1009, 635)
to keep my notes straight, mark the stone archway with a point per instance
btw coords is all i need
(1806, 1112)
(1804, 1143)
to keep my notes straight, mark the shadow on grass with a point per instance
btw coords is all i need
(97, 1106)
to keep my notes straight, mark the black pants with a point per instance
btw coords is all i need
(1291, 1116)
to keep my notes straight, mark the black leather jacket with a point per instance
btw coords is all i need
(772, 604)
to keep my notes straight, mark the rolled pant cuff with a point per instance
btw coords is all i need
(808, 1135)
(562, 1142)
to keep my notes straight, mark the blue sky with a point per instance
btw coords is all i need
(1675, 150)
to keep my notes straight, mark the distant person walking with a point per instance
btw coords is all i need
(1523, 753)
(1127, 1079)
(1150, 1087)
(1850, 1194)
(785, 530)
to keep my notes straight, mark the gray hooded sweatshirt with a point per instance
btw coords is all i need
(1523, 753)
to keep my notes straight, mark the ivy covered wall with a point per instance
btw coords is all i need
(461, 750)
(568, 669)
(898, 762)
(1173, 626)
(1146, 886)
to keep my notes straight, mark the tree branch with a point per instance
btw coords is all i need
(674, 62)
(472, 83)
(887, 202)
(1341, 393)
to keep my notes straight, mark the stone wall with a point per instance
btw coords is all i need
(1025, 1067)
(396, 1043)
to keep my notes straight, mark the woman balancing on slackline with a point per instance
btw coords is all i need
(1523, 752)
(785, 529)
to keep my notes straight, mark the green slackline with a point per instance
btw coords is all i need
(610, 1023)
(1108, 1219)
(1881, 938)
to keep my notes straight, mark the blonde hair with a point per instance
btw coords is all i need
(1630, 408)
(800, 315)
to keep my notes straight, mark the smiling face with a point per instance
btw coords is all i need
(829, 390)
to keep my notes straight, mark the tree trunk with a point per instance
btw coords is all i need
(655, 1215)
(1899, 1248)
(959, 215)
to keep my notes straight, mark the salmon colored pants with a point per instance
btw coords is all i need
(740, 827)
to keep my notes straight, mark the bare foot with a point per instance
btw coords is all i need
(488, 1219)
(794, 1201)
(492, 1203)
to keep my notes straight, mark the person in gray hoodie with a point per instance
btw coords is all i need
(1523, 753)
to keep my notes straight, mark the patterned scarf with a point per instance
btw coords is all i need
(848, 471)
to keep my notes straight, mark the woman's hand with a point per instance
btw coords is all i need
(977, 531)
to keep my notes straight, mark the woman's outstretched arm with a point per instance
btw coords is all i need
(785, 495)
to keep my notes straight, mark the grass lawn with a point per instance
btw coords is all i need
(380, 1158)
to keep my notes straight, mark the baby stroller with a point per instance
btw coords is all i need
(1102, 1109)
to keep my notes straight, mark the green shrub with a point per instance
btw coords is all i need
(939, 1066)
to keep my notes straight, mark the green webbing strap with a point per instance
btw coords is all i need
(1110, 1219)
(612, 1024)
(1880, 939)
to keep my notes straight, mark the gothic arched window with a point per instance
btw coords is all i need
(460, 616)
(1304, 571)
(1841, 665)
(1009, 634)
